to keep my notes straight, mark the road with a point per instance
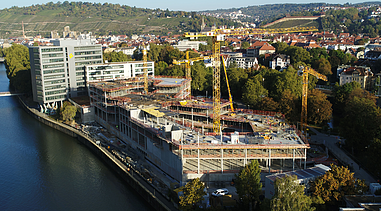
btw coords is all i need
(330, 143)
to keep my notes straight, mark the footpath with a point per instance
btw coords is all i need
(331, 143)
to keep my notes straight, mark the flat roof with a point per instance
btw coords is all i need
(313, 172)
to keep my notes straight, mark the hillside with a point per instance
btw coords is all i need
(101, 19)
(263, 14)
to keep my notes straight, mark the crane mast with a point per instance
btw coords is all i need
(218, 35)
(304, 71)
(145, 71)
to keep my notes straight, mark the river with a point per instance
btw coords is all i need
(44, 169)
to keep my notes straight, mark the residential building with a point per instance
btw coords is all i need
(244, 62)
(58, 71)
(186, 44)
(126, 50)
(359, 74)
(260, 48)
(279, 61)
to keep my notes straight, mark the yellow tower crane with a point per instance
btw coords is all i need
(145, 71)
(227, 84)
(188, 62)
(304, 71)
(218, 35)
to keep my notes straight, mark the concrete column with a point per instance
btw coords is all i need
(245, 160)
(222, 161)
(198, 161)
(269, 160)
(305, 158)
(293, 159)
(192, 117)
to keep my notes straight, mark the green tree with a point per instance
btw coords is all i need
(361, 123)
(323, 66)
(253, 92)
(268, 104)
(335, 183)
(288, 106)
(341, 94)
(237, 77)
(289, 196)
(116, 57)
(280, 46)
(319, 108)
(199, 80)
(18, 67)
(160, 67)
(68, 111)
(248, 184)
(245, 45)
(193, 193)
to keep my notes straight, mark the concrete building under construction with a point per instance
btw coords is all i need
(175, 133)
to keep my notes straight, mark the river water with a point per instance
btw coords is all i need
(44, 169)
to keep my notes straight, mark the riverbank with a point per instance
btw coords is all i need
(127, 173)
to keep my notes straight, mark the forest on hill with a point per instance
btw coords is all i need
(101, 19)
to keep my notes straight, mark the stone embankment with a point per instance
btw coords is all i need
(129, 174)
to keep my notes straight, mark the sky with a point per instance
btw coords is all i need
(175, 5)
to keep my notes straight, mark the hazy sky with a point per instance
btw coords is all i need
(190, 5)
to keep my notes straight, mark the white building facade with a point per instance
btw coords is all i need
(58, 71)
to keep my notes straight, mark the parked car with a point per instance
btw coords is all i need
(220, 192)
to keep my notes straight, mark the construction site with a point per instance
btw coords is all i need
(175, 132)
(188, 137)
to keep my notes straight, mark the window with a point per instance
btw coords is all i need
(87, 53)
(54, 82)
(44, 61)
(54, 71)
(87, 58)
(52, 55)
(52, 66)
(56, 97)
(54, 76)
(55, 92)
(50, 50)
(54, 87)
(93, 47)
(87, 63)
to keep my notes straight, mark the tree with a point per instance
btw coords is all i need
(116, 57)
(198, 72)
(288, 106)
(268, 104)
(248, 184)
(319, 108)
(193, 193)
(323, 66)
(289, 196)
(361, 123)
(253, 91)
(341, 94)
(68, 111)
(336, 183)
(245, 45)
(18, 67)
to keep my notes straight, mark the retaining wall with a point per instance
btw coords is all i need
(135, 181)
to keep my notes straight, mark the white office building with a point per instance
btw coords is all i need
(58, 71)
(117, 70)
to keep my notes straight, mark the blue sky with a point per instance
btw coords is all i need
(190, 5)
